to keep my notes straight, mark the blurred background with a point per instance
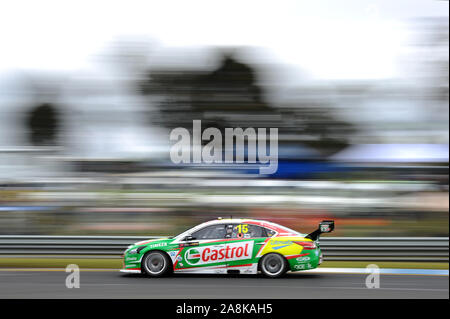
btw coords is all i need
(89, 92)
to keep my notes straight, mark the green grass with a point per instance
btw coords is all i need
(116, 263)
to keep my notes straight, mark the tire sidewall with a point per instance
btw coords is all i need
(167, 264)
(268, 274)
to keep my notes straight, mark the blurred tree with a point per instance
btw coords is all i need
(210, 96)
(43, 125)
(229, 96)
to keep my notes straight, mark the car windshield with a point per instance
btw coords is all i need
(186, 231)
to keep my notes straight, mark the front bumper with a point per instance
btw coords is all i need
(133, 266)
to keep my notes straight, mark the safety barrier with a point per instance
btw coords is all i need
(334, 248)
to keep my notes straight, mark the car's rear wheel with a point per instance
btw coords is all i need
(156, 264)
(273, 265)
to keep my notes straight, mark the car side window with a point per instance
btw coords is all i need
(270, 232)
(249, 231)
(210, 232)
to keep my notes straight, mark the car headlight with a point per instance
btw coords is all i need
(132, 251)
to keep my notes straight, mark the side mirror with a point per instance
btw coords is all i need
(188, 238)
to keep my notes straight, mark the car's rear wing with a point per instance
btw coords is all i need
(325, 226)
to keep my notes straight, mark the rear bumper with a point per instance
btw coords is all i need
(309, 259)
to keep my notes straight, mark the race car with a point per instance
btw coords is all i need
(240, 246)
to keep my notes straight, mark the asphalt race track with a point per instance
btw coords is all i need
(17, 283)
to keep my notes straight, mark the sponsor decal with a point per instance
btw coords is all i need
(172, 253)
(158, 245)
(210, 254)
(300, 259)
(242, 228)
(303, 266)
(130, 258)
(278, 244)
(299, 267)
(192, 256)
(325, 228)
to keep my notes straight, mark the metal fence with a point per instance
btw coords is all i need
(334, 248)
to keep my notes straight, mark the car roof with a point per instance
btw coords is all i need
(232, 220)
(281, 230)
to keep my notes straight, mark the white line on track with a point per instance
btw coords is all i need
(361, 271)
(383, 271)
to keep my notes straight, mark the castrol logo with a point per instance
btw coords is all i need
(192, 256)
(215, 254)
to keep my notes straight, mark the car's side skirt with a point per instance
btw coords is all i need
(244, 269)
(131, 271)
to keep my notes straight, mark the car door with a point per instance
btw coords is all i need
(203, 251)
(242, 246)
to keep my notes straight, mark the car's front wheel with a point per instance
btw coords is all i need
(273, 265)
(156, 264)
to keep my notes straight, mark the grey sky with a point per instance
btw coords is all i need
(327, 38)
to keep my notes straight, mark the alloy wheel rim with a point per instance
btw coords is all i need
(155, 263)
(273, 264)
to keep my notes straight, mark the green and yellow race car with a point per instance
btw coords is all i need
(222, 246)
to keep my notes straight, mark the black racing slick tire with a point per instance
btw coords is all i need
(156, 264)
(273, 265)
